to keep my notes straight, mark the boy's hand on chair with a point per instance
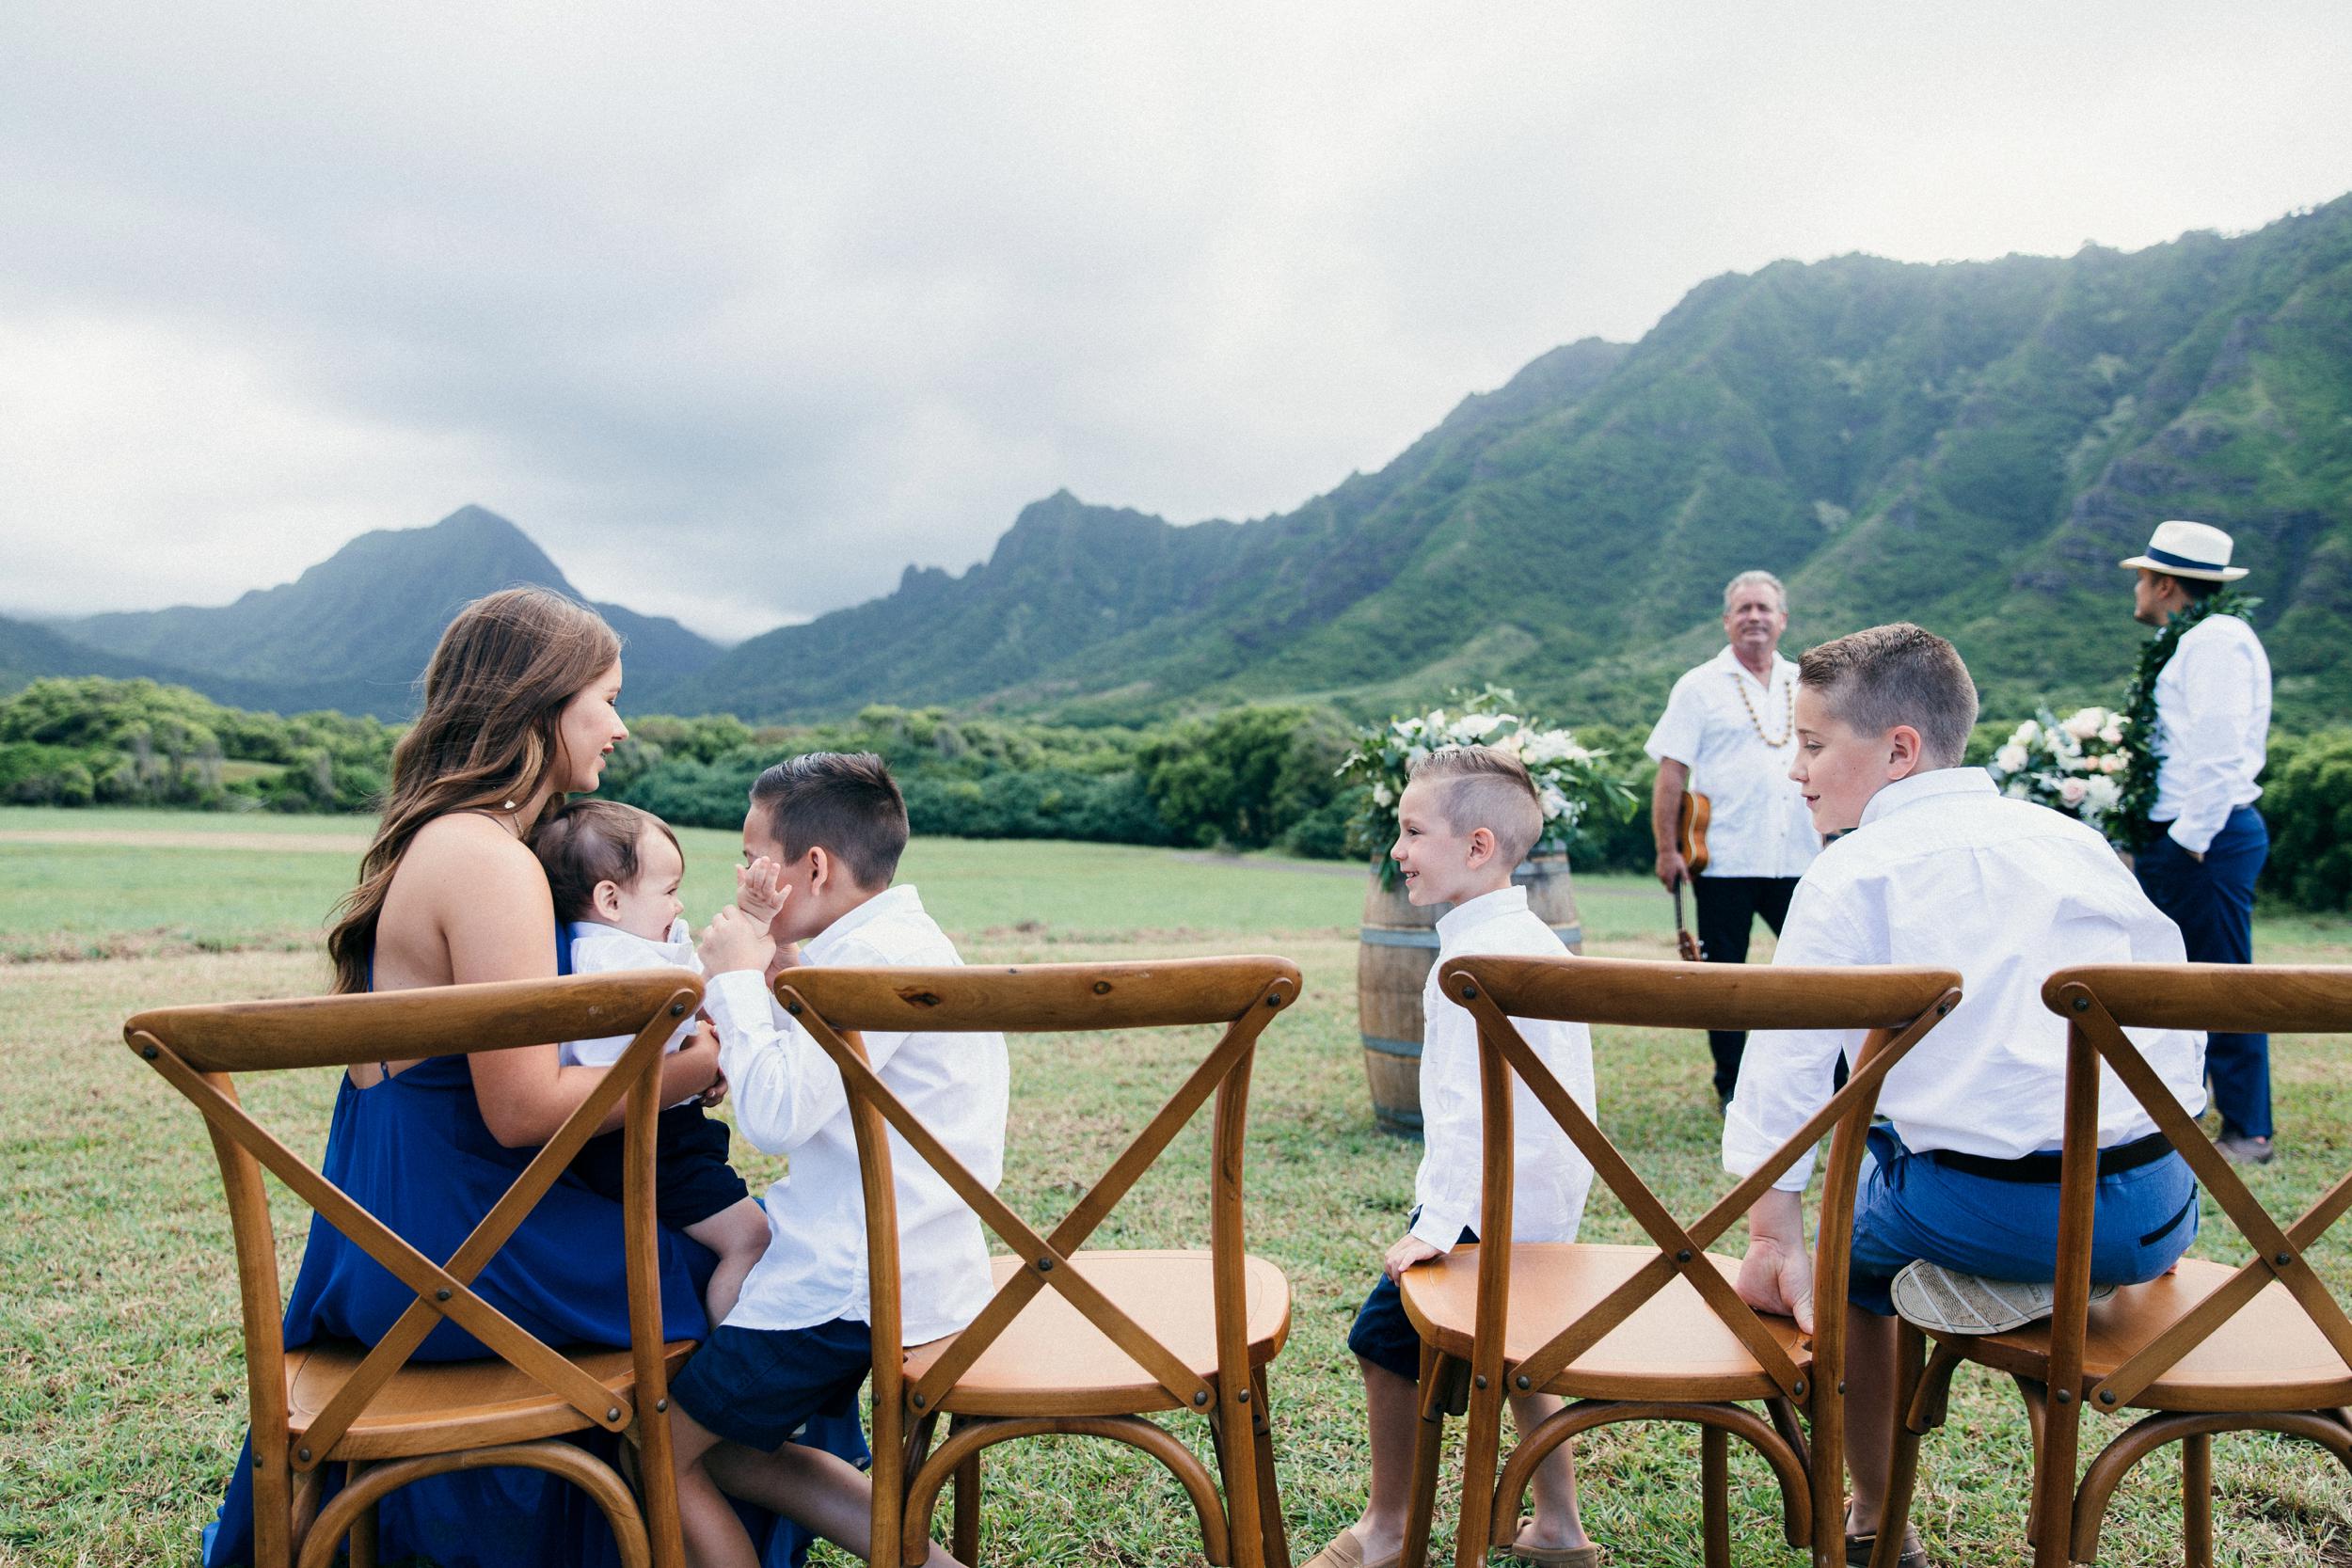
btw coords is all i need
(1777, 1277)
(735, 941)
(1403, 1256)
(759, 890)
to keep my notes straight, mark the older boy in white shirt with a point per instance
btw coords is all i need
(1957, 1217)
(825, 831)
(1467, 817)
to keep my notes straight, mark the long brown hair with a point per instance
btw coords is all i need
(494, 692)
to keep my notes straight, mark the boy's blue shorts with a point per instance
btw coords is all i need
(1912, 1207)
(757, 1387)
(1383, 1335)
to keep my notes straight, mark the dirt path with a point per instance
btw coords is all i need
(310, 844)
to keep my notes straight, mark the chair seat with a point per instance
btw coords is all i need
(1051, 1359)
(2269, 1356)
(1674, 1346)
(439, 1407)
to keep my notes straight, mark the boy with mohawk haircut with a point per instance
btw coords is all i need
(1467, 817)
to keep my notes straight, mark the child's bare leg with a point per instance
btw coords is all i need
(1869, 1415)
(738, 1234)
(820, 1491)
(1554, 1521)
(1392, 1408)
(715, 1538)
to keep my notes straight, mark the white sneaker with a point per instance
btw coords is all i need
(1944, 1301)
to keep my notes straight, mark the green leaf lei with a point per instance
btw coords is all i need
(2127, 824)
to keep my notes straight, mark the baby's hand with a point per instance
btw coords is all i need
(734, 942)
(759, 890)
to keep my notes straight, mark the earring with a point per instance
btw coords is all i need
(510, 805)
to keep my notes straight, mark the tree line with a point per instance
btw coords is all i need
(1247, 778)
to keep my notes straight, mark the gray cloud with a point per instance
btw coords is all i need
(739, 313)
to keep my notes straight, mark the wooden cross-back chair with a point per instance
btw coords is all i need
(1074, 1341)
(386, 1421)
(1656, 1333)
(2207, 1348)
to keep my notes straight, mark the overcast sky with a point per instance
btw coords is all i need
(738, 310)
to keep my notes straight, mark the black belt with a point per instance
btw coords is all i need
(2043, 1168)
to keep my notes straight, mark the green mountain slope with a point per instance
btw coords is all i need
(354, 631)
(1971, 446)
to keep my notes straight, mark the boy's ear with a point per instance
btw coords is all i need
(1903, 752)
(821, 869)
(1482, 846)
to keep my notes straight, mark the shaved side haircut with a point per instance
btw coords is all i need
(843, 802)
(1898, 674)
(1482, 787)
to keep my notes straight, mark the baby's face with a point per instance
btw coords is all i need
(649, 905)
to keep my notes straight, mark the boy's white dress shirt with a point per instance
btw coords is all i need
(790, 1099)
(1551, 1178)
(1757, 825)
(2213, 729)
(1947, 873)
(607, 949)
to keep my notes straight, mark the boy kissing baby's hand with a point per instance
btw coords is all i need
(759, 890)
(736, 941)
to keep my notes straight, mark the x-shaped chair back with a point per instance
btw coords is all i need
(199, 1050)
(1897, 1006)
(2099, 1003)
(837, 1005)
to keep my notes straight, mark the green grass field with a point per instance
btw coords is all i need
(122, 1390)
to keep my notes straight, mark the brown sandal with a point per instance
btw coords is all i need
(1552, 1557)
(1346, 1551)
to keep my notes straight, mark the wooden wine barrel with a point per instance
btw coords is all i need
(1399, 945)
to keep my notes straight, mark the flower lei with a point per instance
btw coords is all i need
(2128, 825)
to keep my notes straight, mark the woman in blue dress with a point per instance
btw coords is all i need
(520, 711)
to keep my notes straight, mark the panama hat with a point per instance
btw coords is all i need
(2184, 549)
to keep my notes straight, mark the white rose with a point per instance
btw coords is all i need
(2083, 725)
(2113, 733)
(2114, 762)
(1555, 804)
(2101, 795)
(2028, 733)
(1514, 744)
(1475, 726)
(1382, 795)
(2011, 758)
(2073, 791)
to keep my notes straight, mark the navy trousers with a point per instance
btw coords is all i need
(2212, 902)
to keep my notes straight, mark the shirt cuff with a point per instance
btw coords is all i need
(739, 1003)
(1746, 1146)
(1440, 1227)
(2195, 842)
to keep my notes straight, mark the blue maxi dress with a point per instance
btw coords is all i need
(413, 1150)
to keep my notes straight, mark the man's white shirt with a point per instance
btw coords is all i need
(789, 1099)
(1547, 1192)
(2212, 728)
(1947, 873)
(1757, 825)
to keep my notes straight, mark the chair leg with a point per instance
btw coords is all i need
(1421, 1508)
(1482, 1453)
(2196, 1501)
(1903, 1469)
(965, 1530)
(1716, 1494)
(1270, 1524)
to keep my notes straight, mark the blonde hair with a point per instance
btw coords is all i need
(1485, 788)
(1750, 579)
(1876, 679)
(494, 693)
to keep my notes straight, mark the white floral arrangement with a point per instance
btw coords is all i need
(1570, 780)
(2073, 764)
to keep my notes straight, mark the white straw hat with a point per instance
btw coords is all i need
(2184, 549)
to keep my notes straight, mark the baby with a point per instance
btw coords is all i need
(614, 871)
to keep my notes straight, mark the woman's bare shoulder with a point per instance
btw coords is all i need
(468, 846)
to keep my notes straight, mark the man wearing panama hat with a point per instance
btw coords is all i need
(2203, 842)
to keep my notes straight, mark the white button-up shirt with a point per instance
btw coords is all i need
(1551, 1178)
(790, 1099)
(2212, 728)
(1720, 722)
(1947, 873)
(607, 949)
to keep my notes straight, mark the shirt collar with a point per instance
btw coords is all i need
(1478, 911)
(1935, 782)
(1728, 659)
(899, 899)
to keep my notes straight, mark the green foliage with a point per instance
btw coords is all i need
(1245, 778)
(2307, 801)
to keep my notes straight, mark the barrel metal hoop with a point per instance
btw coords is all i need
(1391, 1048)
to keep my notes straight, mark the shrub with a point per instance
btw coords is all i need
(2307, 801)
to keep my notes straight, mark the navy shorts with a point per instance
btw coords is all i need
(1912, 1207)
(691, 1178)
(1383, 1335)
(757, 1387)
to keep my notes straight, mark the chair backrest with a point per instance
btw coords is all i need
(1897, 1005)
(2099, 1002)
(199, 1050)
(837, 1005)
